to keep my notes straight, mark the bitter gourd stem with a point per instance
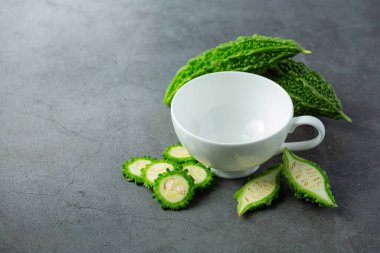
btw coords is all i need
(345, 116)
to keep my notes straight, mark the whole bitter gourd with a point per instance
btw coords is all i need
(307, 180)
(247, 53)
(174, 189)
(310, 92)
(260, 190)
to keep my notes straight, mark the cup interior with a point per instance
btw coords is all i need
(231, 107)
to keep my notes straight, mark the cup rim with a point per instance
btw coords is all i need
(174, 119)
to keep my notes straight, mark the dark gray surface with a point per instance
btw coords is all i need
(81, 89)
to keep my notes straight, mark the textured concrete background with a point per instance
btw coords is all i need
(81, 89)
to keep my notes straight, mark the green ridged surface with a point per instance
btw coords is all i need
(244, 54)
(314, 172)
(310, 92)
(270, 176)
(165, 203)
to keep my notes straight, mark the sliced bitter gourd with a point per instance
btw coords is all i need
(132, 168)
(150, 173)
(174, 189)
(201, 174)
(259, 191)
(177, 153)
(307, 180)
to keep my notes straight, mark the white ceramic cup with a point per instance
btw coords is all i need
(235, 121)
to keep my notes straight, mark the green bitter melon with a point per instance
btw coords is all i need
(307, 180)
(246, 53)
(310, 92)
(260, 190)
(177, 153)
(201, 174)
(174, 189)
(151, 172)
(132, 168)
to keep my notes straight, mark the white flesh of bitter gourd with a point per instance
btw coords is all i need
(202, 175)
(259, 191)
(153, 170)
(132, 168)
(174, 189)
(177, 153)
(307, 180)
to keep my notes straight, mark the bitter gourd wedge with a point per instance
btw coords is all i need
(260, 190)
(132, 168)
(151, 172)
(246, 53)
(307, 180)
(174, 189)
(201, 174)
(310, 92)
(177, 153)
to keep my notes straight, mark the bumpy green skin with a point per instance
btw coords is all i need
(299, 191)
(209, 178)
(244, 54)
(268, 199)
(310, 92)
(149, 184)
(127, 173)
(167, 156)
(165, 204)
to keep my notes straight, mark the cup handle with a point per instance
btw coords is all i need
(309, 144)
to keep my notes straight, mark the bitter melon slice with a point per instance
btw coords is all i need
(132, 168)
(177, 153)
(260, 190)
(174, 189)
(151, 172)
(307, 180)
(201, 174)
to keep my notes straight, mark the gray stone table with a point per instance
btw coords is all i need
(81, 90)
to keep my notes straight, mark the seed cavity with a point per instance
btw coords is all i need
(169, 184)
(180, 189)
(174, 188)
(306, 175)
